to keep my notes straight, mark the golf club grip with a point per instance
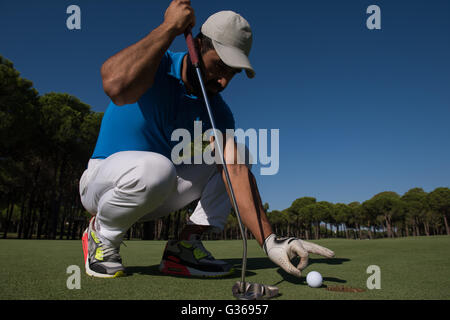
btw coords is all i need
(191, 46)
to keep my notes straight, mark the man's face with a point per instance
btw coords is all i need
(216, 74)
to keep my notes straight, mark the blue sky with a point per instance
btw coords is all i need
(359, 111)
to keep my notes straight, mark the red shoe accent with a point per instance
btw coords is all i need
(175, 268)
(85, 241)
(85, 246)
(175, 259)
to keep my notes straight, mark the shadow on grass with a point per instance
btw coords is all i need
(154, 271)
(252, 265)
(328, 261)
(302, 281)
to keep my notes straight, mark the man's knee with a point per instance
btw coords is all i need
(152, 178)
(159, 174)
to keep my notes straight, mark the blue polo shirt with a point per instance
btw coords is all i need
(147, 125)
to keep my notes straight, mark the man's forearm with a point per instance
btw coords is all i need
(129, 73)
(249, 201)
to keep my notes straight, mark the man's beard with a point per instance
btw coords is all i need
(192, 79)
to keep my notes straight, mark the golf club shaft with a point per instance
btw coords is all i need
(193, 55)
(227, 176)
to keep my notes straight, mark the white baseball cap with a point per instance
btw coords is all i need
(231, 36)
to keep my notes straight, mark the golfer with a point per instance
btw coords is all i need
(131, 177)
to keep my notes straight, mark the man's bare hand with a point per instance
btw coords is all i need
(179, 16)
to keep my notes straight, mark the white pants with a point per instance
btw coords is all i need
(133, 186)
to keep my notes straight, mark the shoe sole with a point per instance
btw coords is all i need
(175, 269)
(91, 273)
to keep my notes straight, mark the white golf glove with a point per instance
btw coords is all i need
(281, 250)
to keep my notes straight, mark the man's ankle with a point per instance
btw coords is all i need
(192, 230)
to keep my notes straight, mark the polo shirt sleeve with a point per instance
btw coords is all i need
(164, 66)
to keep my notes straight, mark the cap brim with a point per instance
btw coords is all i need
(234, 58)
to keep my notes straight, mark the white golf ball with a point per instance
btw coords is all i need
(314, 279)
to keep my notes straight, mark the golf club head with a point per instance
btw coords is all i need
(254, 291)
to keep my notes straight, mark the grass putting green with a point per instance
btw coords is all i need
(411, 268)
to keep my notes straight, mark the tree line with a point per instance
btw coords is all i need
(45, 144)
(386, 214)
(46, 141)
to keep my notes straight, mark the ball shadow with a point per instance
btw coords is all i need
(302, 280)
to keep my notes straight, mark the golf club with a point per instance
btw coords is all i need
(241, 290)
